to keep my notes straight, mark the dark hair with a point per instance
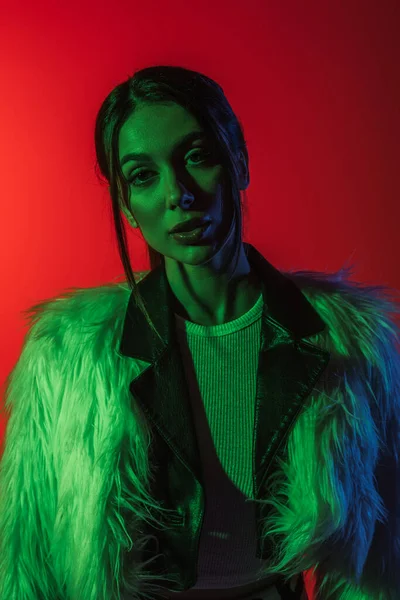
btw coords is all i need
(206, 101)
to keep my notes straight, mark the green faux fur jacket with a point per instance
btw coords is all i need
(74, 474)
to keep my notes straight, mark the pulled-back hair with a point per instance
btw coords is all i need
(206, 101)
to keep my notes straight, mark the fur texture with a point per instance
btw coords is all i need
(74, 470)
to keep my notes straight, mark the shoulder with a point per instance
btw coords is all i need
(362, 336)
(360, 317)
(66, 333)
(79, 311)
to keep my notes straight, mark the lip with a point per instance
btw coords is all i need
(193, 236)
(188, 226)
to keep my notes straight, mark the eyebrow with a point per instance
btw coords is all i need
(185, 140)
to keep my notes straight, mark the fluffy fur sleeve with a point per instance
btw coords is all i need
(360, 558)
(27, 482)
(39, 401)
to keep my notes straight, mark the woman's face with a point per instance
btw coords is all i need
(175, 181)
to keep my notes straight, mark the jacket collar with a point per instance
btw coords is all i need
(289, 366)
(284, 306)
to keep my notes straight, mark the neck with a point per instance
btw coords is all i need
(207, 297)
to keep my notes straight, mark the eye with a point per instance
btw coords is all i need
(137, 182)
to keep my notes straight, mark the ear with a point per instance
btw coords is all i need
(127, 214)
(120, 203)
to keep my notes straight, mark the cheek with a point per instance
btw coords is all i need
(151, 221)
(219, 180)
(145, 211)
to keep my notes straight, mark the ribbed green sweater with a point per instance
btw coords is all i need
(220, 364)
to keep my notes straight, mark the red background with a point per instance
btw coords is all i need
(316, 88)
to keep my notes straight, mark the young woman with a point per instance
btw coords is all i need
(210, 428)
